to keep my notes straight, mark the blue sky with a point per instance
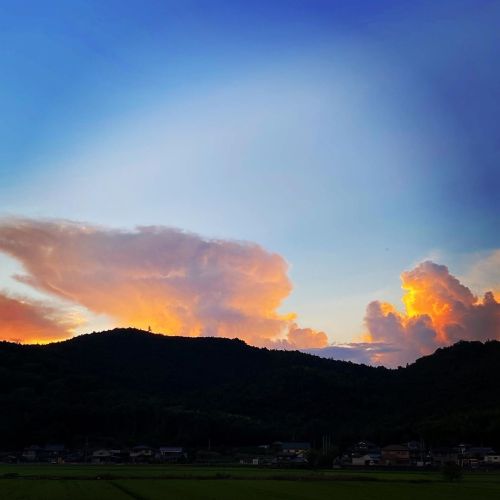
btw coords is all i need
(353, 138)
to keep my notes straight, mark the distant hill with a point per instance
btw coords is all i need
(127, 386)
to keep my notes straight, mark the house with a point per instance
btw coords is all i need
(142, 453)
(254, 460)
(445, 455)
(395, 454)
(75, 456)
(292, 452)
(419, 457)
(32, 453)
(492, 459)
(479, 452)
(8, 457)
(475, 456)
(171, 454)
(105, 455)
(102, 456)
(366, 459)
(472, 456)
(255, 455)
(54, 453)
(364, 446)
(365, 453)
(295, 447)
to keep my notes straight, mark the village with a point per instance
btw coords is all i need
(364, 454)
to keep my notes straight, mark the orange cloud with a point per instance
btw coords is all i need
(25, 321)
(174, 281)
(439, 310)
(302, 338)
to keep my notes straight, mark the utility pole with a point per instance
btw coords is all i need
(326, 443)
(86, 449)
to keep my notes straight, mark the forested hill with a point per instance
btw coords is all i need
(128, 387)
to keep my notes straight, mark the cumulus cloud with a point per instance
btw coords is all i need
(302, 338)
(182, 284)
(22, 320)
(439, 310)
(173, 281)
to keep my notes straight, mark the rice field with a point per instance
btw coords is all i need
(149, 482)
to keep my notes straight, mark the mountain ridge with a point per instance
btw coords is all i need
(130, 386)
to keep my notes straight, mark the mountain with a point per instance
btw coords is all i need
(127, 386)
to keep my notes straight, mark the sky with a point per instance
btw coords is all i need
(319, 175)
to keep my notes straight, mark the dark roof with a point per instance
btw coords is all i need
(292, 445)
(363, 446)
(366, 444)
(54, 447)
(367, 453)
(395, 447)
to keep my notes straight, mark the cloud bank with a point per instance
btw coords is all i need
(172, 281)
(439, 310)
(182, 284)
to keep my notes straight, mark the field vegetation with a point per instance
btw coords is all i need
(85, 482)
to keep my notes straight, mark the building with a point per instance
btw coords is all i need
(445, 455)
(292, 452)
(142, 453)
(295, 447)
(171, 454)
(53, 453)
(395, 454)
(102, 456)
(365, 453)
(366, 459)
(475, 456)
(492, 459)
(419, 457)
(32, 453)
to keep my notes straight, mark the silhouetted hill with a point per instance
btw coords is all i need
(127, 386)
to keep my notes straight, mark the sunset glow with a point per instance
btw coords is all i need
(314, 175)
(439, 310)
(164, 279)
(179, 283)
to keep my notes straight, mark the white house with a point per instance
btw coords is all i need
(366, 459)
(492, 458)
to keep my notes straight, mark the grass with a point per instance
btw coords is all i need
(150, 482)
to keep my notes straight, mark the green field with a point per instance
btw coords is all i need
(85, 482)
